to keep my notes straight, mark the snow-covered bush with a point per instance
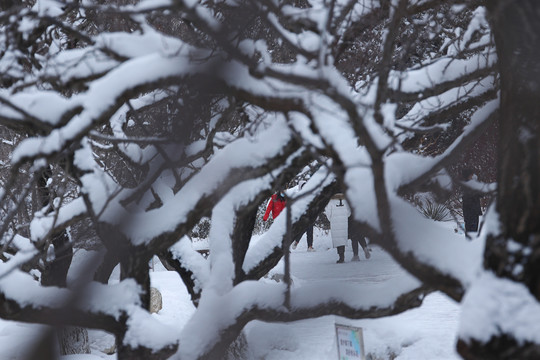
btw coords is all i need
(431, 209)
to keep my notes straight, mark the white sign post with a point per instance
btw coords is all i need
(350, 342)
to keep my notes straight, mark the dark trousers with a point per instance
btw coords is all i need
(341, 251)
(356, 237)
(309, 236)
(471, 223)
(355, 240)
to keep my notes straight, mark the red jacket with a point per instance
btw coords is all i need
(275, 205)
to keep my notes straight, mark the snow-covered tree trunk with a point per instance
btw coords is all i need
(513, 253)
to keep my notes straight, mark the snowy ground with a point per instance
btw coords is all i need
(424, 333)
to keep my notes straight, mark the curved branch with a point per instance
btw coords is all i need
(258, 308)
(440, 88)
(457, 147)
(12, 310)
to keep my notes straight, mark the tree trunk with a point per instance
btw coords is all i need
(516, 30)
(55, 273)
(73, 340)
(109, 262)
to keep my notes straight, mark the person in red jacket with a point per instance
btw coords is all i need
(275, 205)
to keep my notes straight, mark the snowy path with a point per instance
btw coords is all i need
(321, 265)
(425, 333)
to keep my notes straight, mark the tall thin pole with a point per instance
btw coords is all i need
(287, 241)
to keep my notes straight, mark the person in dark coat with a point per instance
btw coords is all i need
(355, 234)
(309, 238)
(471, 204)
(309, 229)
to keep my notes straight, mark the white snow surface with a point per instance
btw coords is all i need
(428, 332)
(448, 251)
(496, 306)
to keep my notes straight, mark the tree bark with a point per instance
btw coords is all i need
(73, 340)
(516, 31)
(55, 273)
(109, 262)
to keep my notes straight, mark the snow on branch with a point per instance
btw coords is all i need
(448, 262)
(440, 76)
(234, 163)
(40, 226)
(26, 252)
(220, 315)
(494, 307)
(425, 109)
(420, 168)
(95, 305)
